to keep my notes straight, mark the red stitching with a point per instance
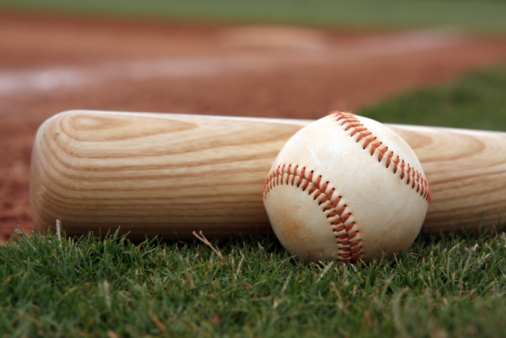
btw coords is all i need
(408, 173)
(353, 251)
(348, 243)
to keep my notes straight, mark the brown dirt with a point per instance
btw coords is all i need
(221, 70)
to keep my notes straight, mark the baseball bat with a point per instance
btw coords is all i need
(171, 174)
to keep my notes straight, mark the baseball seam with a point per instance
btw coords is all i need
(408, 174)
(337, 212)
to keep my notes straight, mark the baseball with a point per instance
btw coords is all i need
(346, 188)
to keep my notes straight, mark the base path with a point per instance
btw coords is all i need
(51, 64)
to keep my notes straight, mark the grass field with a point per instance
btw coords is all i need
(454, 286)
(468, 15)
(475, 101)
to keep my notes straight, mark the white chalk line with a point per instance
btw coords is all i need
(61, 78)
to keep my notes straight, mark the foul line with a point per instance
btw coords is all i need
(57, 78)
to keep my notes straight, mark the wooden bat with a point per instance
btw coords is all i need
(170, 174)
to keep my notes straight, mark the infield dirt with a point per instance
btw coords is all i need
(52, 64)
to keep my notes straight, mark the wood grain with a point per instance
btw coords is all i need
(171, 174)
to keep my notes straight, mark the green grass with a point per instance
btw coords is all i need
(469, 15)
(476, 100)
(454, 286)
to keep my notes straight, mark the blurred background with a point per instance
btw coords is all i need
(268, 58)
(417, 62)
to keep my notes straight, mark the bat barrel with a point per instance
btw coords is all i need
(153, 174)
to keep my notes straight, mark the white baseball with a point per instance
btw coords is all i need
(346, 188)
